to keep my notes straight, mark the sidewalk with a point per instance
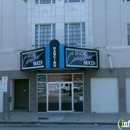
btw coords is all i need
(62, 118)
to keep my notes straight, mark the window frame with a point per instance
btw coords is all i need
(74, 1)
(39, 2)
(128, 34)
(38, 43)
(67, 36)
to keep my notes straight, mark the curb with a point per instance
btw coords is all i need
(43, 123)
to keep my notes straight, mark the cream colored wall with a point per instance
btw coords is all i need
(105, 23)
(110, 31)
(61, 13)
(13, 33)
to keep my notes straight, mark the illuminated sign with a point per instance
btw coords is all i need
(33, 59)
(54, 54)
(81, 58)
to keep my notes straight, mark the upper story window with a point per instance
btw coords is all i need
(44, 1)
(44, 34)
(72, 1)
(75, 34)
(128, 34)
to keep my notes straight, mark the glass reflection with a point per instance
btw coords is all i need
(53, 97)
(66, 96)
(41, 97)
(60, 78)
(78, 97)
(41, 78)
(78, 77)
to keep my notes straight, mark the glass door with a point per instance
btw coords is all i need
(60, 96)
(53, 97)
(66, 96)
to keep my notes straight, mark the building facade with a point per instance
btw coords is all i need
(85, 25)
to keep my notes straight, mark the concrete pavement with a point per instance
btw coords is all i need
(62, 118)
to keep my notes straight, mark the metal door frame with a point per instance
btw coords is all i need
(60, 99)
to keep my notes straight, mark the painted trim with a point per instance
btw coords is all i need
(47, 56)
(61, 56)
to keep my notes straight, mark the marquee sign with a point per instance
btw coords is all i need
(54, 54)
(33, 59)
(81, 58)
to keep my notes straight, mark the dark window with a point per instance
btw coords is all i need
(44, 1)
(72, 1)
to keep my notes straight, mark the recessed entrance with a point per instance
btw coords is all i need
(60, 92)
(60, 96)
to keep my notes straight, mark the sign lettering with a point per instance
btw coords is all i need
(54, 54)
(81, 58)
(33, 59)
(4, 83)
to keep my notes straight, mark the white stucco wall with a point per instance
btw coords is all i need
(61, 13)
(13, 33)
(110, 18)
(105, 22)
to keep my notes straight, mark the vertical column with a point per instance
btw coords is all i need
(12, 94)
(60, 20)
(1, 97)
(87, 96)
(33, 22)
(124, 19)
(31, 25)
(89, 22)
(122, 92)
(0, 24)
(32, 92)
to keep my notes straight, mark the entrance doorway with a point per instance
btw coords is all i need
(21, 94)
(60, 96)
(60, 92)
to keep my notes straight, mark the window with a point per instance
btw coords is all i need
(75, 34)
(44, 1)
(52, 91)
(72, 1)
(129, 34)
(41, 93)
(44, 34)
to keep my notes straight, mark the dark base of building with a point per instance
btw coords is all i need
(22, 86)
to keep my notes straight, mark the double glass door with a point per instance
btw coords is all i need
(60, 96)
